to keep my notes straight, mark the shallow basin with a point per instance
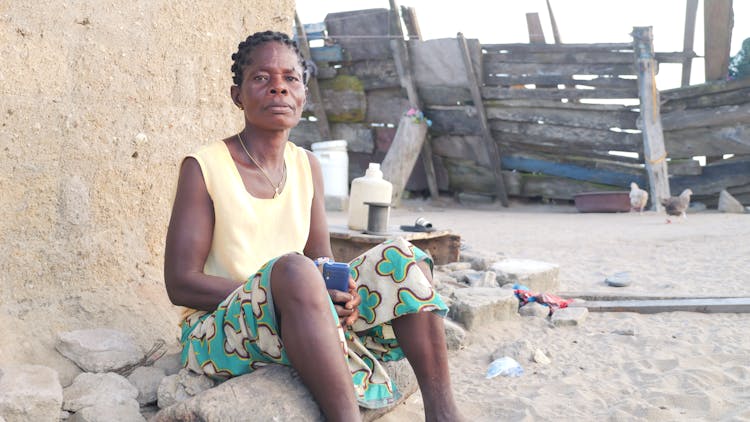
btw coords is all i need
(607, 201)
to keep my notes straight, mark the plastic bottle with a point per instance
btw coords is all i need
(369, 188)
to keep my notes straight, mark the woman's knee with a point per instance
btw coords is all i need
(296, 277)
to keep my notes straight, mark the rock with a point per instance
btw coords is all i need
(538, 276)
(274, 392)
(98, 389)
(569, 316)
(454, 266)
(170, 363)
(520, 350)
(480, 260)
(128, 411)
(475, 278)
(181, 386)
(540, 357)
(440, 278)
(147, 379)
(729, 204)
(455, 335)
(624, 331)
(534, 309)
(621, 279)
(29, 393)
(475, 306)
(99, 350)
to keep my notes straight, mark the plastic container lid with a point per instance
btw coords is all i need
(324, 145)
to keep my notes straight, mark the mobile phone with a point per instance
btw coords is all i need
(336, 275)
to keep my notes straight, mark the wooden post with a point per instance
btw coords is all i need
(403, 67)
(717, 27)
(655, 155)
(691, 9)
(553, 22)
(312, 85)
(493, 151)
(536, 34)
(410, 20)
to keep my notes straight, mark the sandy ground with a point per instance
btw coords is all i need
(673, 366)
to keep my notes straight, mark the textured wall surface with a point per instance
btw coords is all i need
(100, 100)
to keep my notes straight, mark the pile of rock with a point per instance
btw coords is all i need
(119, 384)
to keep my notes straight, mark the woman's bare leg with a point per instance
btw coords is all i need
(310, 337)
(422, 338)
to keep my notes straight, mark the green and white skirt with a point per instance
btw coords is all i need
(242, 335)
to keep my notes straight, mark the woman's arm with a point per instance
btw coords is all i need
(188, 242)
(318, 241)
(319, 245)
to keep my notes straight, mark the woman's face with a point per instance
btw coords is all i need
(272, 93)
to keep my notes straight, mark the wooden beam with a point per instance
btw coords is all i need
(553, 22)
(536, 34)
(655, 155)
(717, 25)
(492, 148)
(691, 8)
(312, 84)
(405, 72)
(409, 15)
(710, 306)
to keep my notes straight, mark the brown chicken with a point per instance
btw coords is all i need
(677, 205)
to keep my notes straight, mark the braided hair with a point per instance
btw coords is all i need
(242, 57)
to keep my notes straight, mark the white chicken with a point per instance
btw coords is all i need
(638, 197)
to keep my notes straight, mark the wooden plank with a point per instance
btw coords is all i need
(409, 15)
(497, 93)
(403, 153)
(691, 10)
(444, 95)
(708, 305)
(553, 23)
(714, 178)
(456, 120)
(534, 25)
(655, 153)
(461, 147)
(443, 245)
(572, 171)
(439, 62)
(557, 105)
(711, 87)
(674, 57)
(494, 66)
(327, 53)
(541, 48)
(559, 57)
(597, 82)
(708, 141)
(312, 84)
(492, 150)
(468, 176)
(560, 188)
(717, 116)
(364, 34)
(571, 137)
(740, 96)
(717, 26)
(513, 143)
(402, 58)
(584, 118)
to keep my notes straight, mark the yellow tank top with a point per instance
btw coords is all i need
(249, 231)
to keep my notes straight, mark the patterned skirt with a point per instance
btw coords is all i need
(241, 335)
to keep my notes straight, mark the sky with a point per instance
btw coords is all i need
(578, 21)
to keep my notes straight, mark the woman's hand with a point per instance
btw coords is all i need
(346, 303)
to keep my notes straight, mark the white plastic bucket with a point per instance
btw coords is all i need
(334, 161)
